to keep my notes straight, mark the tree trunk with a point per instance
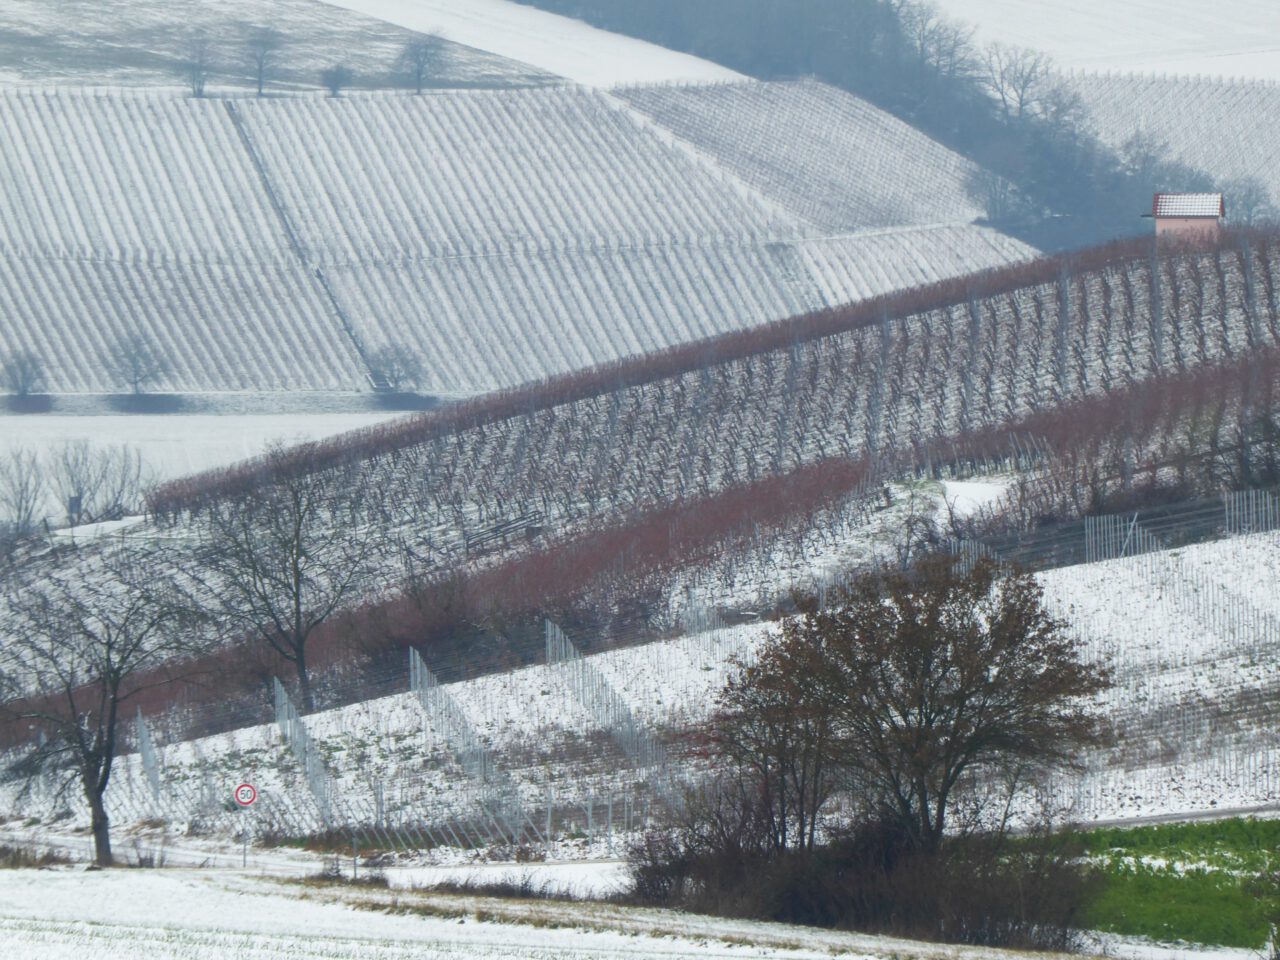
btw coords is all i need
(101, 830)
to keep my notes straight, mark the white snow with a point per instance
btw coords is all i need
(176, 445)
(967, 497)
(553, 43)
(203, 915)
(1230, 38)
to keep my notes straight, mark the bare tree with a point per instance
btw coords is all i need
(198, 64)
(398, 366)
(85, 647)
(284, 560)
(135, 361)
(263, 45)
(422, 58)
(97, 483)
(1016, 76)
(1249, 202)
(939, 43)
(22, 489)
(336, 77)
(999, 198)
(23, 372)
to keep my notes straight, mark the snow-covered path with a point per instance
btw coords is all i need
(553, 43)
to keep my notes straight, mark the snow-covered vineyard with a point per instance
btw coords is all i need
(506, 235)
(780, 138)
(1226, 128)
(571, 468)
(560, 748)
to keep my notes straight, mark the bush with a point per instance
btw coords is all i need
(984, 890)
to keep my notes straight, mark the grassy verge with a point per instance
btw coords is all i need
(21, 858)
(1193, 882)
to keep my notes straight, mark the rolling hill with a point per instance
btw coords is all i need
(272, 245)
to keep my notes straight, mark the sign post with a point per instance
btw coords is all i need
(245, 796)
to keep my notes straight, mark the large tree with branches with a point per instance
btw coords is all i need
(914, 685)
(78, 648)
(288, 557)
(939, 678)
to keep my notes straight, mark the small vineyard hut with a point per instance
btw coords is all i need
(1185, 214)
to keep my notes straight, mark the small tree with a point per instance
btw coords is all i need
(79, 656)
(23, 372)
(197, 66)
(777, 735)
(106, 482)
(336, 77)
(22, 489)
(1015, 76)
(423, 57)
(134, 361)
(263, 45)
(398, 366)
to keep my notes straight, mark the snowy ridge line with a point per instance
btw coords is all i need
(557, 44)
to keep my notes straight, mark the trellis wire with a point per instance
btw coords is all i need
(606, 706)
(499, 801)
(1112, 537)
(299, 740)
(1251, 511)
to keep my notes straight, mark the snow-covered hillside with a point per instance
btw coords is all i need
(826, 156)
(1192, 636)
(555, 44)
(1230, 38)
(1229, 130)
(506, 235)
(146, 43)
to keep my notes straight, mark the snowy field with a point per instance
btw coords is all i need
(199, 915)
(1231, 38)
(504, 235)
(173, 446)
(135, 43)
(555, 44)
(1191, 634)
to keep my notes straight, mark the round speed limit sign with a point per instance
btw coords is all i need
(245, 794)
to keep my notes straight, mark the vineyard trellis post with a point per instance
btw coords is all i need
(295, 734)
(150, 762)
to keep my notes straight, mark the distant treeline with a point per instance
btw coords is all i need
(1005, 108)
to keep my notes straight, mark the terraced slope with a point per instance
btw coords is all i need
(505, 235)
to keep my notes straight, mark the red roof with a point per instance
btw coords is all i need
(1189, 205)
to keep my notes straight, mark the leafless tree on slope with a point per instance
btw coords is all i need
(285, 559)
(85, 646)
